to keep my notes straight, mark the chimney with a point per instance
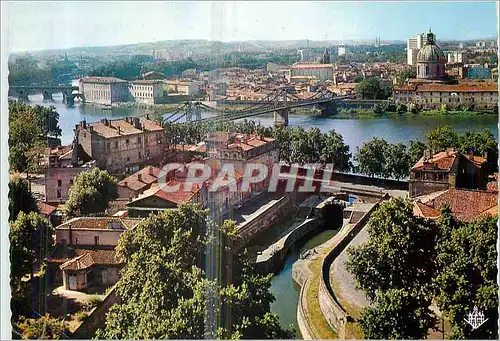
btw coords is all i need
(70, 235)
(136, 123)
(151, 170)
(147, 116)
(91, 128)
(119, 130)
(139, 177)
(125, 183)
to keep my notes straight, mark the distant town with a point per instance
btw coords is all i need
(352, 170)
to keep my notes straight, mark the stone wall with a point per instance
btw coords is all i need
(97, 317)
(334, 313)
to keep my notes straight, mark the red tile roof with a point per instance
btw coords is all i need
(461, 87)
(63, 253)
(103, 223)
(441, 161)
(177, 197)
(141, 179)
(102, 80)
(467, 205)
(46, 209)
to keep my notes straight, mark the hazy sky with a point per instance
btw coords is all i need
(48, 25)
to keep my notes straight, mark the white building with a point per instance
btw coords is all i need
(341, 50)
(319, 72)
(413, 46)
(457, 57)
(147, 91)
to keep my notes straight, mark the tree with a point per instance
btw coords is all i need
(416, 150)
(399, 253)
(395, 269)
(396, 315)
(336, 151)
(91, 192)
(403, 76)
(442, 138)
(371, 157)
(25, 138)
(30, 241)
(20, 198)
(371, 88)
(163, 286)
(466, 273)
(483, 144)
(48, 120)
(397, 161)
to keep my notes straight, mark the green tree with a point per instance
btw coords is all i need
(26, 141)
(30, 240)
(20, 198)
(371, 88)
(403, 76)
(371, 157)
(397, 161)
(483, 144)
(442, 138)
(397, 315)
(416, 150)
(466, 273)
(163, 284)
(399, 253)
(336, 151)
(47, 119)
(91, 193)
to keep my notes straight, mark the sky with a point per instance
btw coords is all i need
(53, 25)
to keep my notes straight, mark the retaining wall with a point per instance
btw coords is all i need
(335, 315)
(97, 317)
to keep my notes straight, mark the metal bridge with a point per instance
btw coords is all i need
(279, 102)
(68, 92)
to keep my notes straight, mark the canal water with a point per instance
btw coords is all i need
(354, 131)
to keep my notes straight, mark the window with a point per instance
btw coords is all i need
(139, 140)
(59, 183)
(109, 146)
(76, 241)
(84, 135)
(116, 144)
(96, 240)
(59, 193)
(417, 175)
(71, 182)
(126, 141)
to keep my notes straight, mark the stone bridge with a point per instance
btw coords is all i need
(69, 92)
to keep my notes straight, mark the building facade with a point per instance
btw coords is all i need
(412, 47)
(104, 90)
(457, 57)
(469, 95)
(321, 72)
(122, 145)
(147, 91)
(445, 170)
(58, 181)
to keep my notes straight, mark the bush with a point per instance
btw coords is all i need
(93, 302)
(81, 316)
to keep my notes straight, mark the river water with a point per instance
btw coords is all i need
(354, 131)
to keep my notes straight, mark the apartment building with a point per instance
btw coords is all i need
(319, 72)
(121, 145)
(413, 45)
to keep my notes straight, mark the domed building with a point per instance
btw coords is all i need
(430, 60)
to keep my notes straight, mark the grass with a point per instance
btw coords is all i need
(315, 315)
(353, 329)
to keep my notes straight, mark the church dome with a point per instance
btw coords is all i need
(430, 53)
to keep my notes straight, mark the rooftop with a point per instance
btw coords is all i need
(141, 178)
(107, 80)
(81, 256)
(102, 223)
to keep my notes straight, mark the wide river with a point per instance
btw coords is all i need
(354, 131)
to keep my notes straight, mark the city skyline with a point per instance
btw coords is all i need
(61, 25)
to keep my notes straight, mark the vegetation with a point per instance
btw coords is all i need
(447, 261)
(45, 327)
(372, 88)
(20, 198)
(164, 284)
(91, 193)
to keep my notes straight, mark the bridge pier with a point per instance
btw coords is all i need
(328, 108)
(281, 117)
(70, 100)
(47, 95)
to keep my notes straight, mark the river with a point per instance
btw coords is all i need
(354, 131)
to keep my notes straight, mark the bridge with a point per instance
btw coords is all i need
(280, 101)
(47, 91)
